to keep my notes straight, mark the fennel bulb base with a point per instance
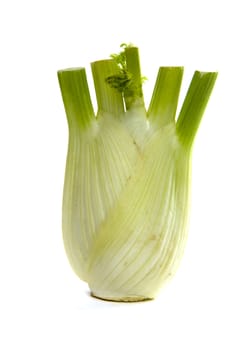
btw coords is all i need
(120, 298)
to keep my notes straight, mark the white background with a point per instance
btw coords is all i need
(43, 305)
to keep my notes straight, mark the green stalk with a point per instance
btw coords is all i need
(194, 106)
(76, 97)
(134, 92)
(165, 96)
(108, 99)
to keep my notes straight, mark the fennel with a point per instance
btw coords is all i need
(127, 182)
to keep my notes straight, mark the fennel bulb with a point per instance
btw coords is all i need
(127, 182)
